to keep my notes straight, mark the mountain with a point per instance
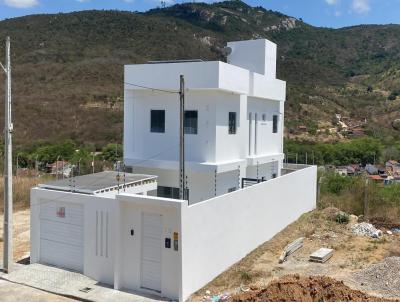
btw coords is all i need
(68, 68)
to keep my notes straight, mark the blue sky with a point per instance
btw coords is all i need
(327, 13)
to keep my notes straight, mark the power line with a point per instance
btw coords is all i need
(151, 88)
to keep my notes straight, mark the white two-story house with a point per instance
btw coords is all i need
(111, 226)
(234, 116)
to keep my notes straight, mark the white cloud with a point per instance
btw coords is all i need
(337, 13)
(332, 2)
(361, 6)
(21, 3)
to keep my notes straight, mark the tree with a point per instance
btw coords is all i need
(389, 153)
(112, 152)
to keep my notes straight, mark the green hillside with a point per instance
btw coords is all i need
(67, 68)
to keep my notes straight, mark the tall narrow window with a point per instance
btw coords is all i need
(275, 124)
(190, 122)
(255, 133)
(232, 122)
(250, 132)
(157, 121)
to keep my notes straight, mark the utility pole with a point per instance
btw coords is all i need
(182, 189)
(8, 128)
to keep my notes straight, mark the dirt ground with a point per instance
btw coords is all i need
(21, 231)
(351, 254)
(306, 289)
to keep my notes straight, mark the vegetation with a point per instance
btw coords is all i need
(358, 151)
(67, 150)
(349, 194)
(68, 68)
(22, 188)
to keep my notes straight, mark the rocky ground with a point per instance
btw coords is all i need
(382, 278)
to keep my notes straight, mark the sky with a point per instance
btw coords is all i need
(326, 13)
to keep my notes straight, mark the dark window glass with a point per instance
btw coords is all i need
(169, 192)
(157, 121)
(232, 122)
(275, 124)
(190, 122)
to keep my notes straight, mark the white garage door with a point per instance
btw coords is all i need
(61, 235)
(151, 251)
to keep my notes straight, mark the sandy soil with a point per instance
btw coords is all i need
(21, 231)
(261, 266)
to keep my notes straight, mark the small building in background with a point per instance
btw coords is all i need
(376, 178)
(371, 169)
(393, 166)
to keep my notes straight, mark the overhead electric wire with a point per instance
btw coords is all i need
(151, 88)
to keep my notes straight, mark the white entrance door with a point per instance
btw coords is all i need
(151, 251)
(61, 235)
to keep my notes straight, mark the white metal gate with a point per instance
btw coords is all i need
(61, 235)
(151, 251)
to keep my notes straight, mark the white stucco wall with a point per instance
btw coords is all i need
(266, 142)
(198, 75)
(212, 235)
(128, 270)
(219, 232)
(140, 143)
(258, 56)
(96, 265)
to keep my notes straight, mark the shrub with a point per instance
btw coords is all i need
(335, 183)
(342, 218)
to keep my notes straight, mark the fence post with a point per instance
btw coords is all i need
(366, 201)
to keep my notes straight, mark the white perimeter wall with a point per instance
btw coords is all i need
(213, 234)
(219, 232)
